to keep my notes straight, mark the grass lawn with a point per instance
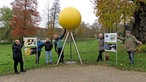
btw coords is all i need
(88, 52)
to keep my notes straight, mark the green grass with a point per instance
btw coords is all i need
(88, 52)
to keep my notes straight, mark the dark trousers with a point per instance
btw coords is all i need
(39, 53)
(62, 56)
(131, 56)
(100, 55)
(16, 60)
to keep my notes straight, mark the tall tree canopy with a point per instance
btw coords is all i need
(5, 18)
(25, 18)
(130, 12)
(111, 12)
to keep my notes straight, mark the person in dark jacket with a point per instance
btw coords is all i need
(48, 47)
(39, 49)
(59, 45)
(100, 47)
(17, 56)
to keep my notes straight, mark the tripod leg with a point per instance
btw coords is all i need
(63, 48)
(76, 47)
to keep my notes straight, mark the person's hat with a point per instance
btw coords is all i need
(127, 31)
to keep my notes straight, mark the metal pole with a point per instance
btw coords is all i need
(62, 48)
(37, 57)
(104, 47)
(76, 47)
(104, 56)
(70, 47)
(116, 52)
(116, 57)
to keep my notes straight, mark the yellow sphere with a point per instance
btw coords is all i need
(69, 18)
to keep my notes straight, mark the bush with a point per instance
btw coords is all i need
(141, 48)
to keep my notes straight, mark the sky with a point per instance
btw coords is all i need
(84, 6)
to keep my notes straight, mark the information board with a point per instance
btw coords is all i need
(110, 43)
(30, 41)
(110, 37)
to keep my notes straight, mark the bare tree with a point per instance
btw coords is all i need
(53, 17)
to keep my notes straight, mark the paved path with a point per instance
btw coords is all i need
(76, 73)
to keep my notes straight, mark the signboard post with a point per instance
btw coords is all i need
(110, 43)
(30, 46)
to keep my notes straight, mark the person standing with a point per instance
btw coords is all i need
(48, 47)
(130, 43)
(59, 45)
(17, 56)
(39, 49)
(100, 47)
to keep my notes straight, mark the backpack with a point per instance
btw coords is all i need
(59, 44)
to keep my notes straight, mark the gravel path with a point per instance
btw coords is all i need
(76, 73)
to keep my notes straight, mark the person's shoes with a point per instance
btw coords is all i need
(131, 63)
(23, 71)
(63, 62)
(50, 63)
(17, 73)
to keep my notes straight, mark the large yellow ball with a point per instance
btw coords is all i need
(69, 18)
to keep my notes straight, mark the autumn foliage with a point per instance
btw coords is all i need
(25, 18)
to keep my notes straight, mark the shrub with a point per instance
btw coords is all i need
(141, 48)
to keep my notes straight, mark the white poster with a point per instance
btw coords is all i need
(110, 47)
(30, 41)
(110, 37)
